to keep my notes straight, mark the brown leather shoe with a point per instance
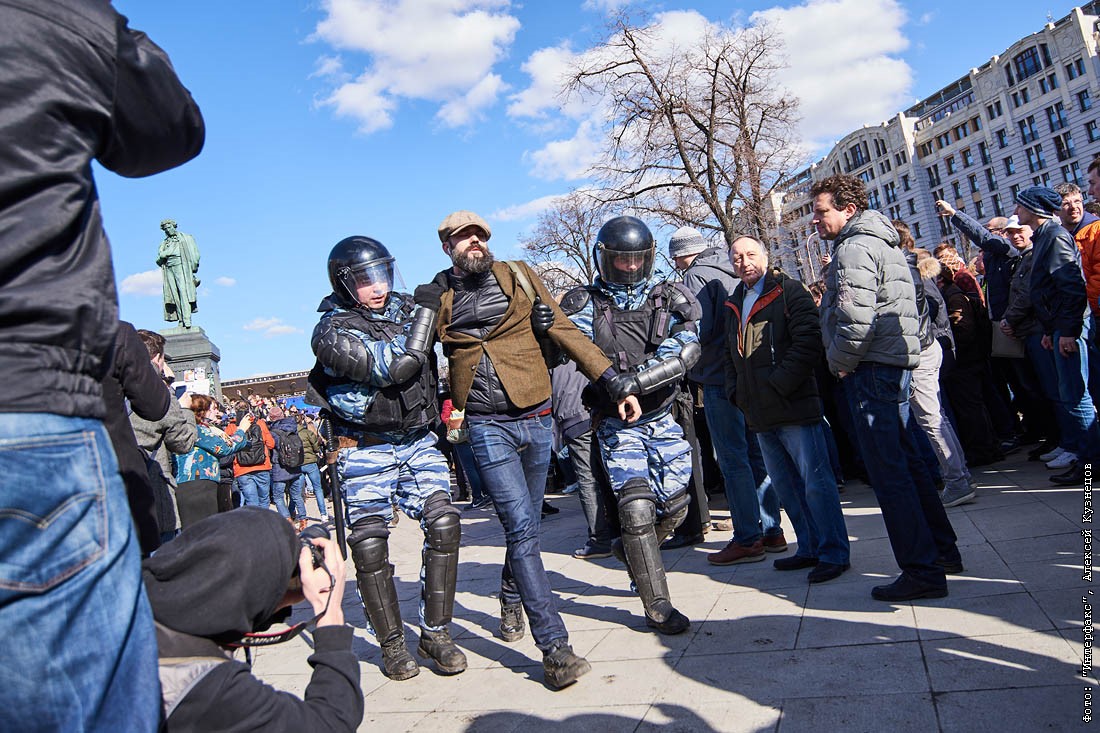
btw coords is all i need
(734, 554)
(775, 543)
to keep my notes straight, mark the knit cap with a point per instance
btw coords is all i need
(686, 241)
(1040, 200)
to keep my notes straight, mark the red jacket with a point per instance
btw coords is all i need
(269, 445)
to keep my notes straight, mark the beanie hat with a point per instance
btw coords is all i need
(224, 576)
(686, 241)
(1040, 200)
(275, 413)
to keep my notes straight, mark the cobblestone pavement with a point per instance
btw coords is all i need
(766, 651)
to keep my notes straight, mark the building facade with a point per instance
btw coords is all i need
(1028, 116)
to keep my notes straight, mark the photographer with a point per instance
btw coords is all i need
(208, 597)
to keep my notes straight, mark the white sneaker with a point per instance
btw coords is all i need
(1065, 460)
(1051, 455)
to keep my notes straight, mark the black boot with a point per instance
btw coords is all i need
(562, 667)
(647, 570)
(439, 646)
(397, 663)
(511, 621)
(374, 576)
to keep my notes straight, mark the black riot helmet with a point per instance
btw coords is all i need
(625, 251)
(356, 262)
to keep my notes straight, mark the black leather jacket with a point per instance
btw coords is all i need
(479, 304)
(79, 85)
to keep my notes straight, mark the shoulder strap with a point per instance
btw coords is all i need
(522, 279)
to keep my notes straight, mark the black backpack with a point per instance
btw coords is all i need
(255, 454)
(291, 451)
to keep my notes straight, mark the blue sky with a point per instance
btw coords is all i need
(337, 117)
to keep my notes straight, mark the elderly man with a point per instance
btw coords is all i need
(869, 327)
(753, 502)
(1059, 297)
(500, 386)
(773, 339)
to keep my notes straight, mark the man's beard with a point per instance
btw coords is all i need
(473, 265)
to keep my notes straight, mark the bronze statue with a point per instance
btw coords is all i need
(178, 258)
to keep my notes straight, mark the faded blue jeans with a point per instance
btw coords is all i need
(79, 650)
(279, 490)
(513, 457)
(255, 488)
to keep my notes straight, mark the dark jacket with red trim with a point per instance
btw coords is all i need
(770, 362)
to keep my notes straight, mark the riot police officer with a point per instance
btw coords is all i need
(376, 376)
(647, 327)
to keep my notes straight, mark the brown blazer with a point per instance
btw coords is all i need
(512, 346)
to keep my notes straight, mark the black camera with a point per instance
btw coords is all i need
(317, 531)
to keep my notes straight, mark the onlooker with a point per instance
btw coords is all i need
(312, 456)
(209, 595)
(869, 327)
(775, 335)
(252, 468)
(78, 85)
(286, 466)
(198, 472)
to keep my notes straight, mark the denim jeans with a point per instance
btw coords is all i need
(1073, 378)
(513, 457)
(80, 651)
(297, 501)
(798, 463)
(753, 502)
(464, 456)
(915, 519)
(255, 488)
(313, 473)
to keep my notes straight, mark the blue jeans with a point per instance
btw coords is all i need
(313, 473)
(297, 502)
(753, 502)
(79, 650)
(464, 455)
(798, 462)
(255, 488)
(915, 519)
(513, 457)
(1073, 378)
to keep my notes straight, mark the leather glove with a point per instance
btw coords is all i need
(542, 318)
(622, 385)
(428, 296)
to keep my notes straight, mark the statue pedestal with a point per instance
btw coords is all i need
(194, 358)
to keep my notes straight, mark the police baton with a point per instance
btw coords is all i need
(332, 452)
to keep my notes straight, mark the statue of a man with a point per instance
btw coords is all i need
(178, 258)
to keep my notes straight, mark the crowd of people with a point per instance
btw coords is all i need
(902, 367)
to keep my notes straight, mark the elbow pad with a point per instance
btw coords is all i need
(670, 370)
(341, 353)
(421, 332)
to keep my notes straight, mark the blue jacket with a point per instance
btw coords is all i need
(998, 257)
(279, 472)
(1057, 284)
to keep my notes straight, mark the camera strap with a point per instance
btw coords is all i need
(278, 637)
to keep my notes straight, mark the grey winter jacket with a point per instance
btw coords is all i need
(869, 312)
(173, 433)
(711, 279)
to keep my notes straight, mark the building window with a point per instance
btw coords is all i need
(1063, 147)
(979, 209)
(916, 229)
(1035, 160)
(1075, 69)
(1056, 117)
(1010, 167)
(991, 179)
(997, 210)
(1027, 130)
(1015, 190)
(975, 124)
(872, 199)
(1044, 180)
(983, 152)
(993, 111)
(1091, 131)
(890, 192)
(1048, 84)
(937, 195)
(968, 159)
(1002, 138)
(934, 175)
(973, 181)
(868, 175)
(956, 189)
(1021, 97)
(1026, 63)
(912, 206)
(905, 179)
(950, 161)
(1084, 101)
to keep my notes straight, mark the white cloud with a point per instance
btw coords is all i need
(143, 283)
(529, 210)
(845, 74)
(548, 69)
(605, 6)
(225, 282)
(436, 50)
(926, 18)
(568, 159)
(271, 327)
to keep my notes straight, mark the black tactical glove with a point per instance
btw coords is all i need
(428, 296)
(542, 318)
(620, 386)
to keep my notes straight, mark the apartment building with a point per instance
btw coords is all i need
(1028, 116)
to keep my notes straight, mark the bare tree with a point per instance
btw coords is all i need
(698, 135)
(559, 248)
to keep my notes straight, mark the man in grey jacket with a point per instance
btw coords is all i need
(869, 327)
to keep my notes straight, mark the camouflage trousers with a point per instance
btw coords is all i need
(655, 451)
(376, 477)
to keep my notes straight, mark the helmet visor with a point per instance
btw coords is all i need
(624, 268)
(371, 280)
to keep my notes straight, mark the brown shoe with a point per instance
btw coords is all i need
(734, 554)
(775, 543)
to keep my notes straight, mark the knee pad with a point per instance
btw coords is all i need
(369, 544)
(442, 528)
(637, 513)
